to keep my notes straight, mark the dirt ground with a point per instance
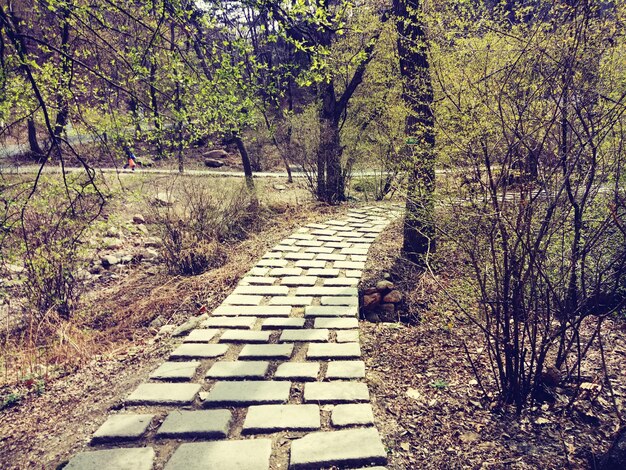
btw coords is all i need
(432, 413)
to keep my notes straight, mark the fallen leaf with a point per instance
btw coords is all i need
(405, 446)
(414, 393)
(542, 421)
(469, 437)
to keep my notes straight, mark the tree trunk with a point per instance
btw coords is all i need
(155, 112)
(245, 159)
(33, 143)
(329, 175)
(419, 228)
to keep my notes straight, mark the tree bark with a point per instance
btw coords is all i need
(35, 149)
(419, 227)
(245, 159)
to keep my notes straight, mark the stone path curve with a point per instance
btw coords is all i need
(272, 379)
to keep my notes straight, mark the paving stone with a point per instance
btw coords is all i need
(342, 281)
(348, 336)
(327, 291)
(327, 238)
(349, 265)
(199, 350)
(311, 263)
(353, 251)
(258, 271)
(298, 280)
(163, 394)
(370, 235)
(235, 299)
(360, 258)
(176, 370)
(201, 335)
(247, 392)
(349, 234)
(339, 244)
(298, 371)
(257, 280)
(317, 226)
(253, 311)
(275, 323)
(302, 236)
(319, 250)
(352, 415)
(339, 223)
(287, 248)
(359, 242)
(330, 311)
(272, 255)
(291, 300)
(336, 323)
(312, 335)
(207, 424)
(335, 392)
(249, 454)
(313, 242)
(133, 458)
(261, 290)
(332, 256)
(323, 272)
(123, 427)
(238, 370)
(324, 232)
(340, 300)
(333, 351)
(300, 256)
(354, 273)
(272, 263)
(340, 448)
(285, 272)
(229, 322)
(274, 418)
(345, 370)
(245, 336)
(288, 241)
(266, 351)
(375, 229)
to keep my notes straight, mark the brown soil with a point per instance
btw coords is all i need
(432, 413)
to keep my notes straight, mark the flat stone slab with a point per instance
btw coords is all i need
(352, 415)
(298, 371)
(274, 323)
(342, 281)
(272, 263)
(291, 300)
(212, 424)
(354, 273)
(258, 271)
(340, 300)
(345, 370)
(333, 351)
(341, 448)
(253, 311)
(298, 281)
(199, 350)
(247, 392)
(300, 256)
(287, 248)
(336, 323)
(327, 291)
(349, 265)
(249, 454)
(310, 264)
(273, 418)
(238, 370)
(123, 427)
(229, 322)
(261, 290)
(353, 251)
(308, 242)
(323, 272)
(330, 311)
(339, 244)
(164, 394)
(261, 280)
(245, 336)
(266, 351)
(335, 392)
(201, 335)
(176, 370)
(134, 458)
(312, 335)
(319, 250)
(286, 272)
(348, 336)
(331, 256)
(237, 299)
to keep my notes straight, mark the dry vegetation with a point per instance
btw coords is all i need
(430, 408)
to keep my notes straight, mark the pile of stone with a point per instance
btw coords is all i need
(381, 303)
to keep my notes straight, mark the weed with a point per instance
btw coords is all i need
(440, 384)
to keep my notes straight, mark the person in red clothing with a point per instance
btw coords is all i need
(132, 159)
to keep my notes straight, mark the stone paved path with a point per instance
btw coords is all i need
(272, 379)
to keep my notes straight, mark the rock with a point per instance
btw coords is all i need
(139, 219)
(218, 153)
(152, 242)
(386, 276)
(95, 269)
(113, 243)
(280, 187)
(166, 330)
(384, 285)
(113, 232)
(388, 313)
(615, 458)
(109, 260)
(83, 274)
(151, 255)
(185, 327)
(142, 229)
(372, 317)
(369, 291)
(126, 259)
(211, 163)
(371, 300)
(163, 200)
(156, 323)
(393, 297)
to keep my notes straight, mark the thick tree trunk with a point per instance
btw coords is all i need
(419, 227)
(33, 143)
(329, 174)
(245, 160)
